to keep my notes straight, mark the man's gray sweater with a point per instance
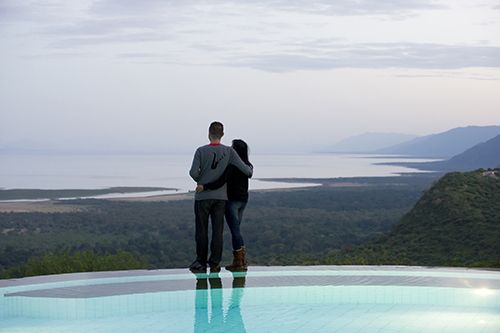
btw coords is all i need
(209, 163)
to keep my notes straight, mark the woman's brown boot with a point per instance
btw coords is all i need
(239, 261)
(244, 262)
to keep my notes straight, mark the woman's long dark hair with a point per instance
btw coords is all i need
(241, 148)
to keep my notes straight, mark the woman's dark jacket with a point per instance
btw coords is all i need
(237, 184)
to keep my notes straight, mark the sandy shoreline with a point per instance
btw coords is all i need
(190, 195)
(153, 198)
(49, 206)
(53, 206)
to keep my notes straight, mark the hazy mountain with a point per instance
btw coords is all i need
(484, 155)
(369, 142)
(446, 144)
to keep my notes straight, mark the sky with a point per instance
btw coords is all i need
(284, 75)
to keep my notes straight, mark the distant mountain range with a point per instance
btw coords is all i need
(446, 144)
(462, 148)
(484, 155)
(439, 145)
(369, 142)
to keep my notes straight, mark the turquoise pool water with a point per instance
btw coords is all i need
(270, 299)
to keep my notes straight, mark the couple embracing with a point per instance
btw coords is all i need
(221, 174)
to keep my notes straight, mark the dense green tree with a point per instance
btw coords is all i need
(85, 261)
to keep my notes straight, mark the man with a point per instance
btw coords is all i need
(209, 163)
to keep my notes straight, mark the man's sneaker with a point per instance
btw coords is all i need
(214, 268)
(197, 267)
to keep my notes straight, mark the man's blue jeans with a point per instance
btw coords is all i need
(234, 215)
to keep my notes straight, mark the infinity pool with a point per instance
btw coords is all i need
(266, 299)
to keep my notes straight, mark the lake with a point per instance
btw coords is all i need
(103, 171)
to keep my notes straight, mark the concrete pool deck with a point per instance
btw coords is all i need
(103, 284)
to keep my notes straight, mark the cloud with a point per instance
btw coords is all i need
(353, 7)
(22, 11)
(335, 56)
(377, 55)
(134, 7)
(89, 27)
(119, 22)
(453, 75)
(126, 38)
(328, 7)
(249, 34)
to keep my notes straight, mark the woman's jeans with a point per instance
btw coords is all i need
(234, 215)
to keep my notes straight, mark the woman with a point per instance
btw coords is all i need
(237, 194)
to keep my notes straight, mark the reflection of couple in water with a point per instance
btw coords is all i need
(221, 174)
(232, 321)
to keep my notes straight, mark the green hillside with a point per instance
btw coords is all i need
(455, 223)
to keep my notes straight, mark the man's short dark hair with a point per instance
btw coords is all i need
(216, 130)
